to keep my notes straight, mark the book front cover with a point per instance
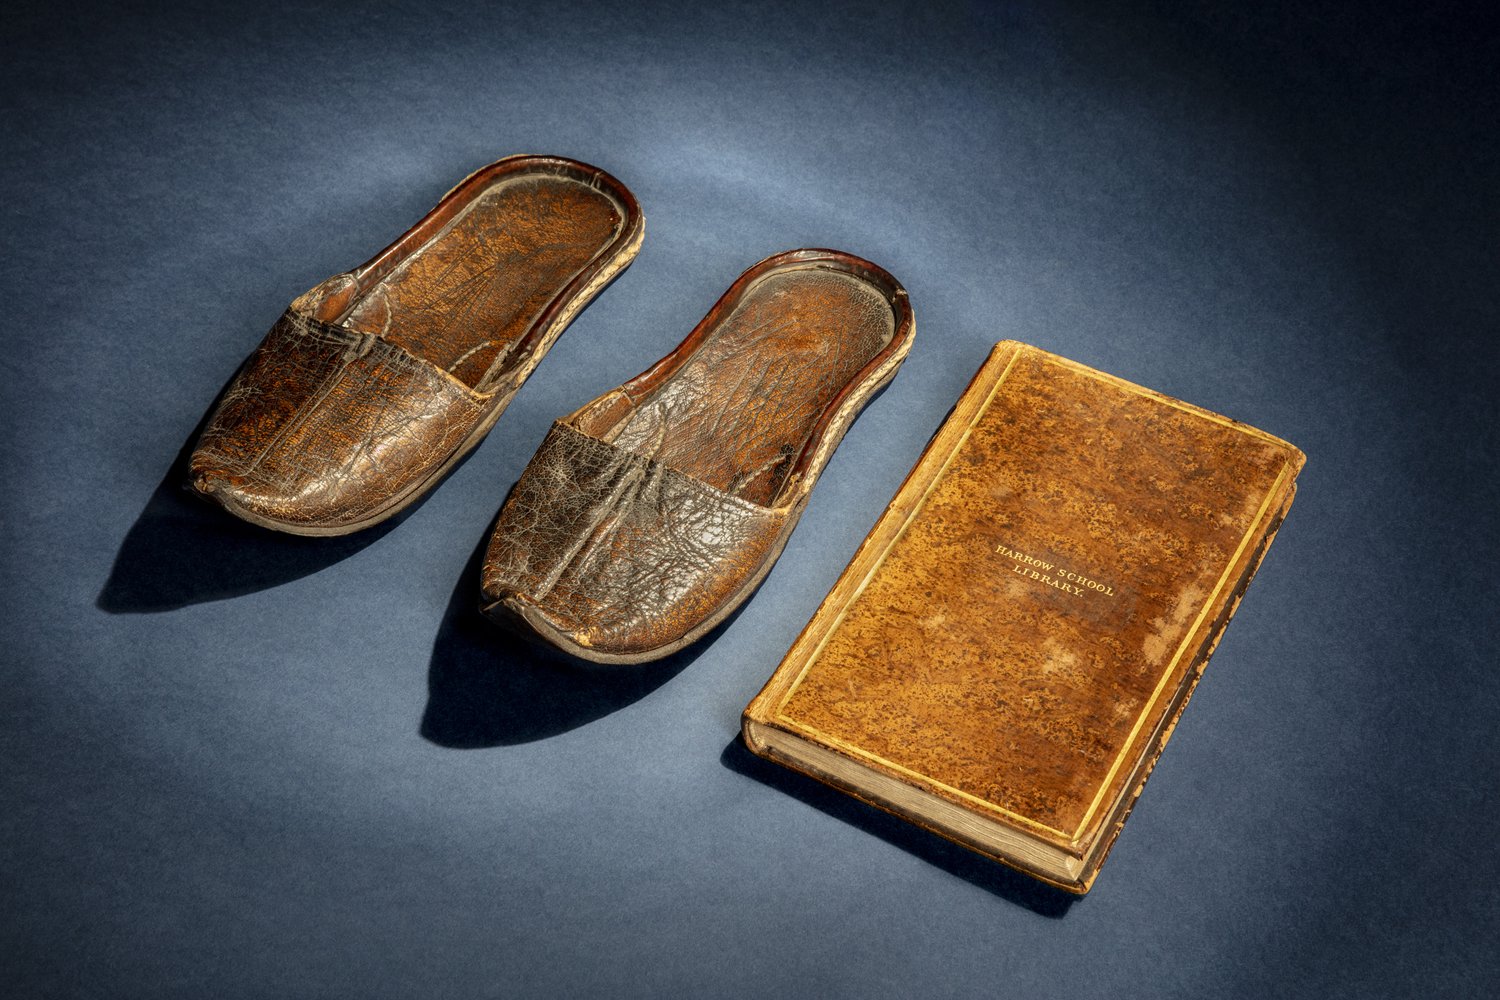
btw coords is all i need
(1022, 624)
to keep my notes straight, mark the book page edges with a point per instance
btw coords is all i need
(977, 832)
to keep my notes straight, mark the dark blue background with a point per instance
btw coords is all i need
(238, 764)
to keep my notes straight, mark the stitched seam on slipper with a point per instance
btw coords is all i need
(677, 475)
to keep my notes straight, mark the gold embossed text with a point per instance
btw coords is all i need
(1051, 574)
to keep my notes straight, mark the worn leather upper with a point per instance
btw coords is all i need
(324, 426)
(616, 551)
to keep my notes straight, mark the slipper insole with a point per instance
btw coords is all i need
(477, 286)
(738, 412)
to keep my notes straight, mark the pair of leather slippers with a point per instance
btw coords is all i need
(647, 515)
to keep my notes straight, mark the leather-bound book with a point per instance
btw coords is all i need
(1009, 649)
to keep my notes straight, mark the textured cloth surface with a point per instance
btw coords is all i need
(243, 765)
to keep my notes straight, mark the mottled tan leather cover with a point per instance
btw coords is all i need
(1020, 629)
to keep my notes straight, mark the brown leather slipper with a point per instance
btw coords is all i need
(650, 514)
(375, 383)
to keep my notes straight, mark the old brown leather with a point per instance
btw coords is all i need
(650, 514)
(377, 381)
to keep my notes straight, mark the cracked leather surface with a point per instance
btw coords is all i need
(375, 381)
(650, 513)
(619, 552)
(324, 425)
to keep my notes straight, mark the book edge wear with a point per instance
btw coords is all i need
(1069, 862)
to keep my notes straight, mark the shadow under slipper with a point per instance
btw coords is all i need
(979, 871)
(488, 687)
(183, 550)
